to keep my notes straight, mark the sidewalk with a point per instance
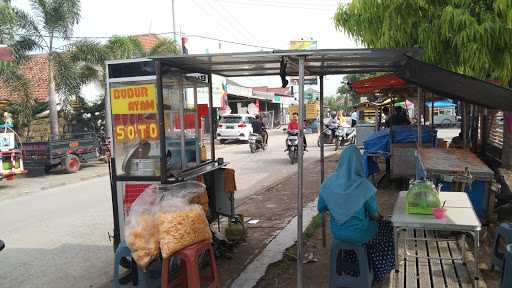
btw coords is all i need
(274, 207)
(23, 185)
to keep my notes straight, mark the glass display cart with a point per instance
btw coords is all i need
(161, 134)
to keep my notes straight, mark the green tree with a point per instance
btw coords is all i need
(56, 19)
(16, 29)
(164, 47)
(470, 37)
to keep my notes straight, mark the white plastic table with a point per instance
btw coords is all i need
(460, 217)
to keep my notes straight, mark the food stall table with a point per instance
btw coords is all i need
(444, 165)
(460, 217)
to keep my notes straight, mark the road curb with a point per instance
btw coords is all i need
(65, 183)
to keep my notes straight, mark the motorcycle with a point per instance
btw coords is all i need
(292, 146)
(344, 134)
(326, 136)
(256, 142)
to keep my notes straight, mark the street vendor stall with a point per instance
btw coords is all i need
(154, 142)
(448, 167)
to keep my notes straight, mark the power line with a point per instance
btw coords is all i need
(225, 26)
(228, 21)
(235, 19)
(162, 33)
(282, 5)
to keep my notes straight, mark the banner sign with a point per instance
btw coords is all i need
(136, 99)
(135, 127)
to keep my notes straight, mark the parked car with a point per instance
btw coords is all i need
(445, 117)
(235, 127)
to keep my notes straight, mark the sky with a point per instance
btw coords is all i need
(265, 23)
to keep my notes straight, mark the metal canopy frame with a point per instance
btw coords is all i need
(299, 63)
(316, 62)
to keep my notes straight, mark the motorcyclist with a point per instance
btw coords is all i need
(294, 126)
(333, 124)
(258, 127)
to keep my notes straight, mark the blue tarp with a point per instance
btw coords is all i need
(442, 104)
(379, 142)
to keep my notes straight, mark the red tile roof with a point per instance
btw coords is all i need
(5, 54)
(147, 40)
(36, 70)
(277, 91)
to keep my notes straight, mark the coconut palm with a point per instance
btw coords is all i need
(17, 30)
(56, 19)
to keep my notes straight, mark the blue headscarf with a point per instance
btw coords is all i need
(347, 189)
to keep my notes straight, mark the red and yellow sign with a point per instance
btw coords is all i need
(136, 99)
(135, 127)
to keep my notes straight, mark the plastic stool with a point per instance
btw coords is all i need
(190, 255)
(365, 277)
(503, 231)
(123, 251)
(506, 274)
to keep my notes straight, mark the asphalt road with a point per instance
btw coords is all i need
(255, 171)
(58, 237)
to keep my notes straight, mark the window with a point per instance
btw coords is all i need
(231, 119)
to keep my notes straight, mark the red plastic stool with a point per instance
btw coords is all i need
(190, 255)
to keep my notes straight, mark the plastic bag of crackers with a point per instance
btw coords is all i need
(180, 225)
(141, 227)
(192, 192)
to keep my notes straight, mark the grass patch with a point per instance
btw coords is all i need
(291, 252)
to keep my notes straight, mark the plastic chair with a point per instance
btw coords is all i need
(123, 251)
(191, 277)
(365, 277)
(504, 231)
(506, 274)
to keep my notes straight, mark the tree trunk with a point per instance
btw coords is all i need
(506, 154)
(52, 96)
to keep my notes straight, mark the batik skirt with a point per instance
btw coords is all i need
(381, 255)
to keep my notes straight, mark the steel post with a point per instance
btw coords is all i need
(300, 167)
(210, 114)
(322, 163)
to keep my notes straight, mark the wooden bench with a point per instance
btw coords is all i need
(421, 272)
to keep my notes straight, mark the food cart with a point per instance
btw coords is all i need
(155, 120)
(11, 156)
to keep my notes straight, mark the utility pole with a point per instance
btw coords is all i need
(173, 21)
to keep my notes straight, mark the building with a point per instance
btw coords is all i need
(35, 70)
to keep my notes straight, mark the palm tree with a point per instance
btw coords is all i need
(164, 47)
(56, 19)
(16, 32)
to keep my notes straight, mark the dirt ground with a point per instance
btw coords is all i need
(316, 272)
(274, 207)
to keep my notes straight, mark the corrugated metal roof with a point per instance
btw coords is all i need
(318, 62)
(456, 86)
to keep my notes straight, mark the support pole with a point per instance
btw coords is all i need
(418, 122)
(465, 127)
(210, 113)
(300, 167)
(196, 127)
(322, 162)
(432, 121)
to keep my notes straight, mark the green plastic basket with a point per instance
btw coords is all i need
(421, 198)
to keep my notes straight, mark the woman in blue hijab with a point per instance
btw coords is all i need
(350, 199)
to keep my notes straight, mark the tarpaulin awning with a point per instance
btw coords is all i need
(377, 83)
(456, 86)
(442, 104)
